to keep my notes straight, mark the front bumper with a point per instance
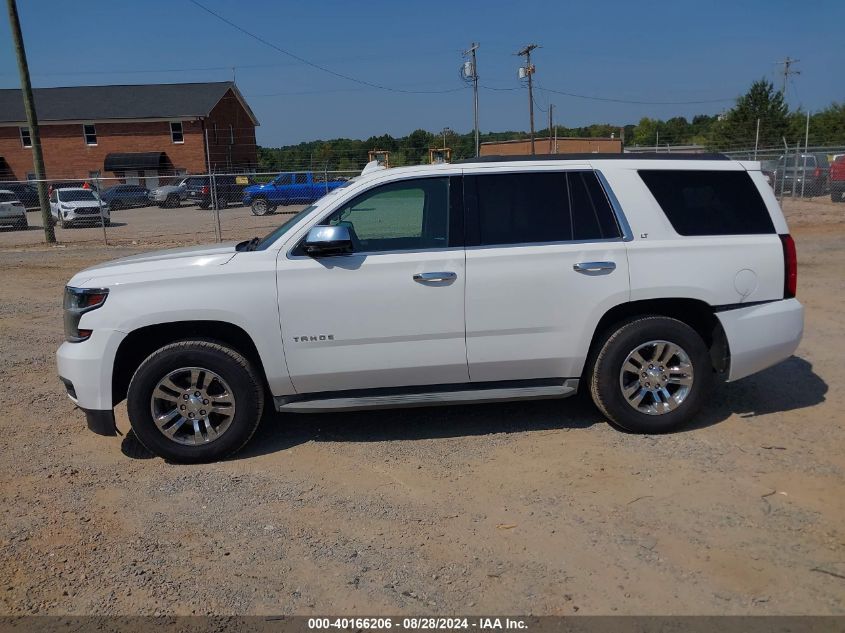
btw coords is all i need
(762, 335)
(87, 366)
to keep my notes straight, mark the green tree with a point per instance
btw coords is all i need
(737, 128)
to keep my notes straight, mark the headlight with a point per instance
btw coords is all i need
(78, 301)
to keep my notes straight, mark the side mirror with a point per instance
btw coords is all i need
(327, 240)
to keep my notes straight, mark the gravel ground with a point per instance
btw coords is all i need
(536, 507)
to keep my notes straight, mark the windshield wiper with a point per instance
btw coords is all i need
(248, 245)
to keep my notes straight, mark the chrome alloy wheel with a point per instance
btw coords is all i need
(192, 406)
(656, 377)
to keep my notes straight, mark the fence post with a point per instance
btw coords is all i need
(797, 153)
(211, 190)
(783, 175)
(804, 166)
(100, 203)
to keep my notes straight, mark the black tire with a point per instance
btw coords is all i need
(204, 205)
(172, 201)
(244, 382)
(22, 225)
(116, 204)
(837, 196)
(260, 206)
(605, 380)
(63, 223)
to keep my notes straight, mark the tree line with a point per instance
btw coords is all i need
(734, 129)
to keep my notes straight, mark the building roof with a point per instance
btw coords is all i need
(96, 103)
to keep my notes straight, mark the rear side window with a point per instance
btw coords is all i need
(709, 202)
(537, 207)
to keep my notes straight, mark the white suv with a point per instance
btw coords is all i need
(640, 278)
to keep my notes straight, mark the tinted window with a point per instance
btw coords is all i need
(406, 215)
(300, 179)
(537, 207)
(592, 217)
(76, 195)
(8, 197)
(709, 202)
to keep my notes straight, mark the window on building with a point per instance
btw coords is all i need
(89, 131)
(176, 132)
(709, 202)
(26, 137)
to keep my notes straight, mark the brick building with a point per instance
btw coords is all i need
(546, 145)
(136, 133)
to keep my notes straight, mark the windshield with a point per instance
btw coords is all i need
(284, 228)
(78, 195)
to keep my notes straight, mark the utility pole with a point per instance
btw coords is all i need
(528, 71)
(551, 109)
(473, 75)
(32, 121)
(787, 71)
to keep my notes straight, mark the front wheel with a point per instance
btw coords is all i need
(195, 401)
(837, 196)
(651, 375)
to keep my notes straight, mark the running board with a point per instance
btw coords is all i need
(426, 398)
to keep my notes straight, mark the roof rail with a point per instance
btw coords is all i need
(597, 156)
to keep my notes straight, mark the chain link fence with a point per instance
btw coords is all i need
(174, 210)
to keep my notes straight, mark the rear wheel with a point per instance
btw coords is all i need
(195, 401)
(837, 196)
(651, 375)
(116, 204)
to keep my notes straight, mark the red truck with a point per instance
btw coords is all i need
(837, 179)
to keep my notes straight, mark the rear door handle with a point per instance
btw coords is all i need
(594, 267)
(441, 276)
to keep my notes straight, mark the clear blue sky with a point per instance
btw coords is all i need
(640, 51)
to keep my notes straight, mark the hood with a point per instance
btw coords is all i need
(168, 262)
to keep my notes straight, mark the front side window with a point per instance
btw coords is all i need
(300, 179)
(176, 133)
(400, 216)
(537, 208)
(89, 132)
(26, 137)
(709, 202)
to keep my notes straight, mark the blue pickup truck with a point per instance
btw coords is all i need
(287, 188)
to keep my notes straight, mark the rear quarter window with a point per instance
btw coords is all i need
(709, 202)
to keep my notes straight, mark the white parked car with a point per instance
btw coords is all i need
(75, 205)
(12, 211)
(641, 279)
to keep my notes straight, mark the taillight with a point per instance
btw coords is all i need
(790, 267)
(817, 173)
(205, 190)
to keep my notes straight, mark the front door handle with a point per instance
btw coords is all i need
(594, 267)
(443, 276)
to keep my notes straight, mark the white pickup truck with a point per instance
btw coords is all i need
(639, 278)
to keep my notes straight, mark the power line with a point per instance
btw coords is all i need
(307, 62)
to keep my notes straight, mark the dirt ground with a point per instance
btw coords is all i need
(536, 507)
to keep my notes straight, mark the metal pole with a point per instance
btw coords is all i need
(100, 202)
(657, 141)
(797, 152)
(217, 236)
(783, 175)
(757, 139)
(804, 167)
(475, 97)
(32, 121)
(551, 109)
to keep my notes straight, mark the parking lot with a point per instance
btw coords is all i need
(533, 507)
(153, 226)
